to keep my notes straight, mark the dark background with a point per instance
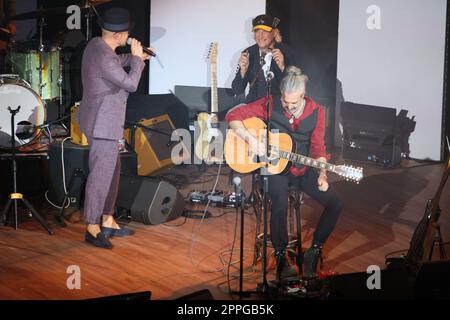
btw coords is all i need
(140, 13)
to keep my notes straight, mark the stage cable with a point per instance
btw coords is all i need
(63, 177)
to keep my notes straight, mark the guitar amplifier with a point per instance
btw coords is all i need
(78, 137)
(151, 140)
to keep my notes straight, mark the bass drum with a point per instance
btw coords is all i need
(15, 92)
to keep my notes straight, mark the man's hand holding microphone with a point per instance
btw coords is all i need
(137, 49)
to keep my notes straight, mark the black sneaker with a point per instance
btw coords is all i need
(98, 241)
(284, 268)
(310, 260)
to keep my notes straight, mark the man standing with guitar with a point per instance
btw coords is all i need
(268, 54)
(7, 28)
(304, 120)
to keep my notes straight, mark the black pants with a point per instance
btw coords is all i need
(278, 192)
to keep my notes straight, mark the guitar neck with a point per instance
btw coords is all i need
(214, 99)
(300, 159)
(437, 196)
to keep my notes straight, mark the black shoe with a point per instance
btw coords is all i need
(310, 260)
(122, 232)
(99, 241)
(284, 268)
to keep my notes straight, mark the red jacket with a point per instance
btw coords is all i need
(258, 109)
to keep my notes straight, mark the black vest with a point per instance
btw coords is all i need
(302, 136)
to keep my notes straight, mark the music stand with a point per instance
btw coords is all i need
(15, 196)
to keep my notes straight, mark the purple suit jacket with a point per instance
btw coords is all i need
(105, 89)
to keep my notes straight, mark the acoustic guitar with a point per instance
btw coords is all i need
(281, 154)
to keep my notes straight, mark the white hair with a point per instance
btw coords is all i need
(294, 80)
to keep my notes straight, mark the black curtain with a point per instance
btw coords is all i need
(56, 28)
(310, 28)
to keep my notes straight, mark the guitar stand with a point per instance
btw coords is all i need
(77, 173)
(438, 240)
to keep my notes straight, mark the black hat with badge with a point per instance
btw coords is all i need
(265, 22)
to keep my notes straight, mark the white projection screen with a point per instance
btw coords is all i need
(391, 54)
(181, 32)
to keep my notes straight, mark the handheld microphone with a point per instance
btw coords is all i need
(146, 50)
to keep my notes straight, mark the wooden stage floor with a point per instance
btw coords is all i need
(187, 255)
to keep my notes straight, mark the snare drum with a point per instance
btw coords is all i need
(23, 58)
(15, 92)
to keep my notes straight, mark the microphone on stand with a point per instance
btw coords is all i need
(145, 49)
(237, 185)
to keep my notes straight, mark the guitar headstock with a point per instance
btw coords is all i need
(350, 173)
(213, 52)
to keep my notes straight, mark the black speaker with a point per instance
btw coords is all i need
(134, 296)
(149, 200)
(395, 284)
(369, 134)
(204, 294)
(433, 280)
(76, 157)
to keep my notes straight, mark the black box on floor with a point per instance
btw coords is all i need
(76, 157)
(64, 159)
(370, 134)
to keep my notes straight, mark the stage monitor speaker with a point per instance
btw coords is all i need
(77, 157)
(151, 140)
(149, 200)
(395, 284)
(433, 281)
(134, 296)
(204, 294)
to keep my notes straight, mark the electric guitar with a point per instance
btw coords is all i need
(281, 146)
(208, 123)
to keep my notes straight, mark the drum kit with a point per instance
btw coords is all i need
(35, 81)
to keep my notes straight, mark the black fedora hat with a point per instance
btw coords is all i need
(116, 20)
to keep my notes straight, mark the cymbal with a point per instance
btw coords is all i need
(84, 3)
(40, 13)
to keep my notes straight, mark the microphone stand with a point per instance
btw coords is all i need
(264, 286)
(240, 195)
(241, 198)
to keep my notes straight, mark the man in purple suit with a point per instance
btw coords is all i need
(106, 87)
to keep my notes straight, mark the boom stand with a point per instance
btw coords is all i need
(15, 196)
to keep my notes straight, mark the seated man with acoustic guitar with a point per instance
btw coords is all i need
(304, 121)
